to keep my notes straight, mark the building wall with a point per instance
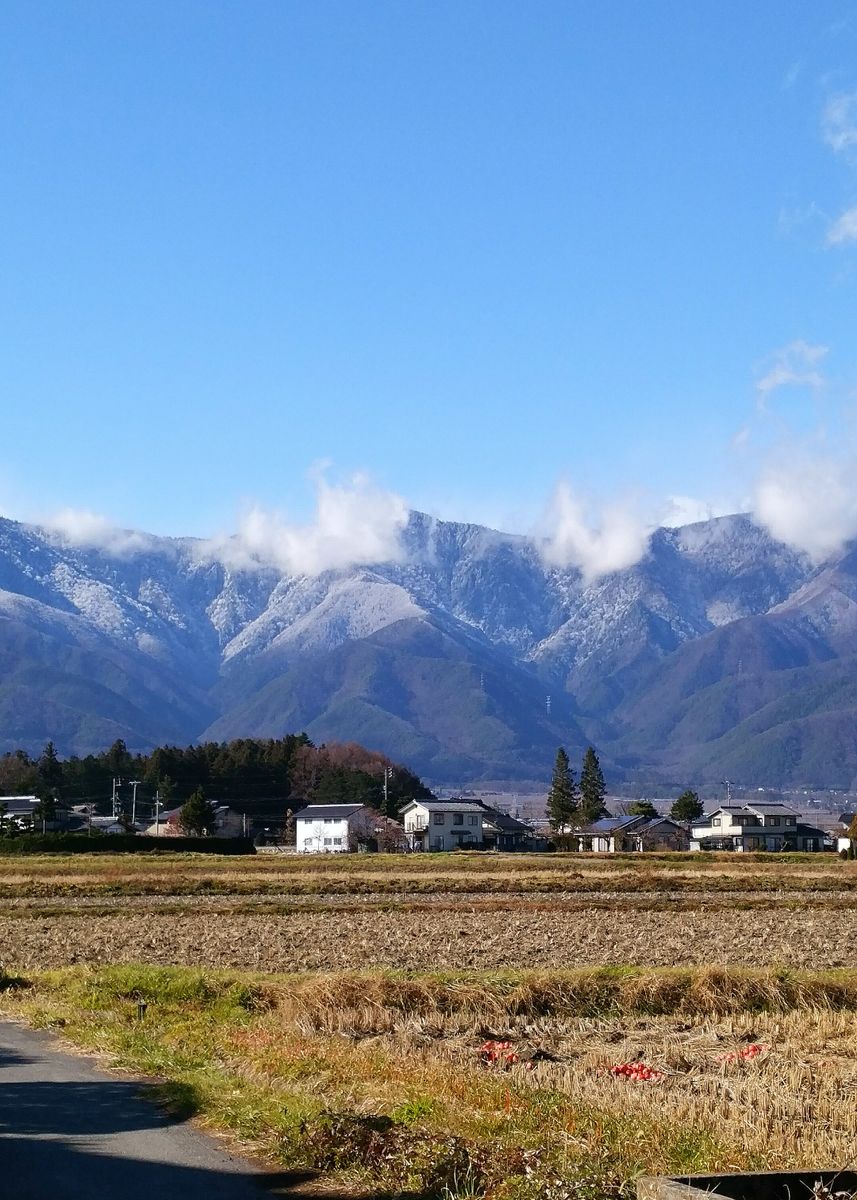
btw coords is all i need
(445, 835)
(322, 835)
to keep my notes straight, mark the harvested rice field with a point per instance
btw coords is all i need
(457, 1027)
(281, 913)
(427, 939)
(495, 1085)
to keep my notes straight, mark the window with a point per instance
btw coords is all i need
(329, 820)
(773, 820)
(715, 820)
(437, 818)
(458, 818)
(337, 841)
(472, 820)
(791, 820)
(328, 841)
(307, 841)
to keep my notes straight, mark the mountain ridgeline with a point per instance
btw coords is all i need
(722, 653)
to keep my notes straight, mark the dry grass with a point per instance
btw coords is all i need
(276, 1060)
(399, 938)
(52, 876)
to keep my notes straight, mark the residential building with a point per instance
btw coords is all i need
(608, 835)
(227, 823)
(334, 828)
(751, 826)
(503, 832)
(661, 833)
(633, 834)
(443, 824)
(19, 810)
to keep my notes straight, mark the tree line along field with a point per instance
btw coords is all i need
(333, 1013)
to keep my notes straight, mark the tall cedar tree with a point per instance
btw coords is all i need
(50, 770)
(592, 789)
(688, 807)
(197, 815)
(563, 799)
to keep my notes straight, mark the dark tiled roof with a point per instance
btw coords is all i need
(610, 824)
(772, 809)
(809, 831)
(455, 806)
(504, 822)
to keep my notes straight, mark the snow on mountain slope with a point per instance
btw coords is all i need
(465, 607)
(319, 614)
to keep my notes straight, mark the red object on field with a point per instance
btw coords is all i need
(746, 1054)
(640, 1072)
(498, 1053)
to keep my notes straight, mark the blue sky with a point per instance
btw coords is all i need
(471, 249)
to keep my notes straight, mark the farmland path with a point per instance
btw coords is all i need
(70, 1130)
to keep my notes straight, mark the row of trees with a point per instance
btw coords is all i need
(572, 803)
(575, 804)
(288, 769)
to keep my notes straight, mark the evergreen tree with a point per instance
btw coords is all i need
(50, 770)
(196, 817)
(46, 811)
(642, 808)
(592, 789)
(688, 807)
(563, 800)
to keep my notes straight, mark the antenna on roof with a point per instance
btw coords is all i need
(548, 704)
(728, 784)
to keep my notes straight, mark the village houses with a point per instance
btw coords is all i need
(755, 826)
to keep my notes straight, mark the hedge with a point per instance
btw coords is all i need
(120, 843)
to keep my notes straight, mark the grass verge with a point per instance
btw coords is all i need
(378, 1076)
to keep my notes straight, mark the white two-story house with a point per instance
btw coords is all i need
(333, 828)
(747, 827)
(443, 824)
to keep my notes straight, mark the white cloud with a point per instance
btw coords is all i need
(839, 122)
(354, 523)
(685, 510)
(844, 228)
(613, 541)
(83, 529)
(791, 366)
(809, 503)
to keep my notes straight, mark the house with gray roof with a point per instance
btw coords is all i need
(632, 834)
(443, 824)
(752, 827)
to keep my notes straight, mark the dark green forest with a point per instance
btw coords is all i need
(289, 769)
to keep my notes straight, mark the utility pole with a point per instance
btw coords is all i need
(134, 784)
(388, 774)
(117, 783)
(157, 812)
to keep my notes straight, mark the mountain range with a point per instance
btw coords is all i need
(721, 654)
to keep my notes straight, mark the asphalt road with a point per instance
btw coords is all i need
(72, 1131)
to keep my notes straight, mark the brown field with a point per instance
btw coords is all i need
(282, 913)
(330, 1013)
(424, 940)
